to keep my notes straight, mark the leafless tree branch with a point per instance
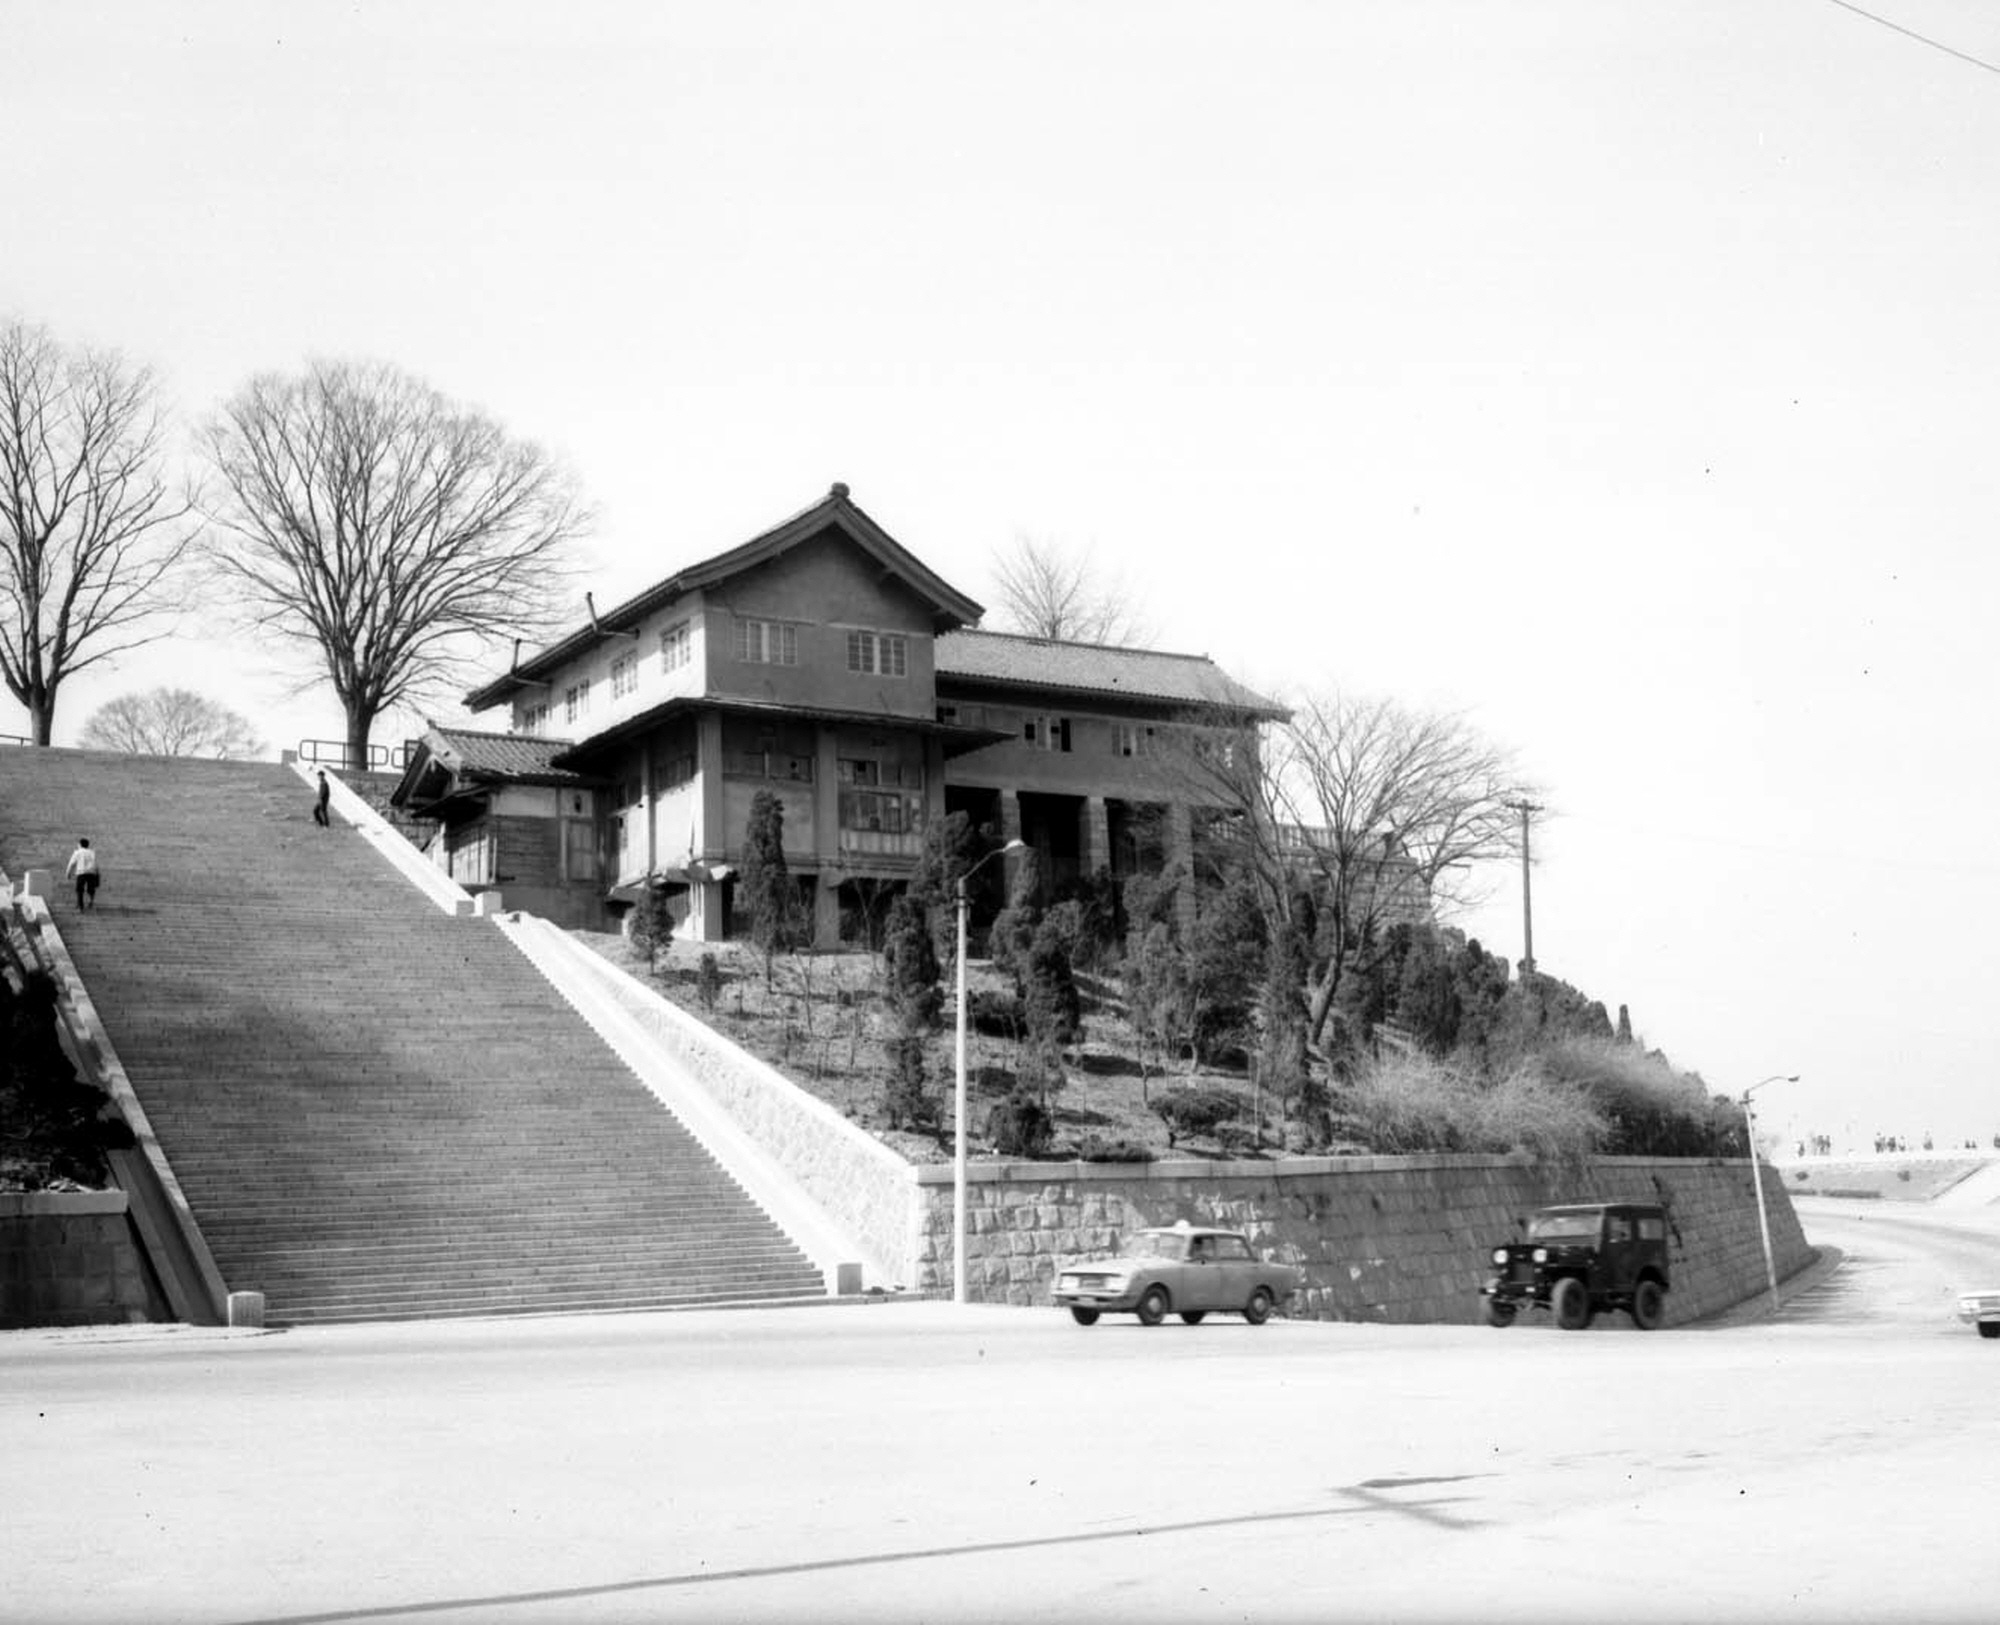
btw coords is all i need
(1353, 814)
(398, 534)
(1050, 590)
(171, 722)
(91, 536)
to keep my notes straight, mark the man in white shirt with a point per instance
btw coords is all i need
(82, 869)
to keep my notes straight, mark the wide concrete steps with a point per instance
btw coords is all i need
(376, 1111)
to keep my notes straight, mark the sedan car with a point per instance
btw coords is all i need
(1181, 1270)
(1981, 1309)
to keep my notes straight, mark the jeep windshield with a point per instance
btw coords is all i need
(1564, 1226)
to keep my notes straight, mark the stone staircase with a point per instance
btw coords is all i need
(376, 1111)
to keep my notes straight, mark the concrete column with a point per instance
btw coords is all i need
(705, 910)
(711, 840)
(1010, 815)
(826, 797)
(826, 909)
(1180, 854)
(1010, 830)
(1094, 837)
(651, 803)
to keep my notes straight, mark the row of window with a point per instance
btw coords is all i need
(757, 642)
(1053, 733)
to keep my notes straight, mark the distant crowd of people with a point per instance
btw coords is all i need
(1821, 1145)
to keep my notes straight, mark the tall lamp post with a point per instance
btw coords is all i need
(1757, 1178)
(958, 1157)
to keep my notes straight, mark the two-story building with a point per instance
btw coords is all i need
(824, 662)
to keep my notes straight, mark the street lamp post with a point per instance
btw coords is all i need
(1757, 1178)
(958, 1157)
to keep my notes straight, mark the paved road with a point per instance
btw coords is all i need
(922, 1462)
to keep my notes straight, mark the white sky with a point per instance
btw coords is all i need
(1621, 375)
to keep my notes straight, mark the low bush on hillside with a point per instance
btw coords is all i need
(1197, 1111)
(830, 1022)
(1649, 1109)
(1399, 1104)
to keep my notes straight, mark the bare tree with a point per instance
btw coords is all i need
(398, 533)
(90, 532)
(171, 722)
(1048, 590)
(1351, 816)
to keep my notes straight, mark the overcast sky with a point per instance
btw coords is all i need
(1621, 376)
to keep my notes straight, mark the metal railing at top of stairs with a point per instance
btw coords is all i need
(335, 754)
(187, 1272)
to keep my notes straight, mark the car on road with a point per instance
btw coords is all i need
(1981, 1309)
(1580, 1258)
(1180, 1269)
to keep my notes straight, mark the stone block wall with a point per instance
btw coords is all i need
(1396, 1240)
(71, 1259)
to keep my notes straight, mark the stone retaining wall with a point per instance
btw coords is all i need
(1388, 1239)
(70, 1259)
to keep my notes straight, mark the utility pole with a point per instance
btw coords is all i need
(1526, 809)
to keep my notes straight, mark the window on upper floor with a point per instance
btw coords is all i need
(576, 700)
(535, 718)
(767, 643)
(624, 675)
(885, 797)
(1132, 739)
(880, 654)
(676, 646)
(870, 771)
(1214, 748)
(1046, 733)
(767, 762)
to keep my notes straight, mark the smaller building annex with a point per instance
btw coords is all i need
(823, 663)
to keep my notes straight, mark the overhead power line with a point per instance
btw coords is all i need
(1921, 39)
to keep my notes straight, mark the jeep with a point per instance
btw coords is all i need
(1580, 1258)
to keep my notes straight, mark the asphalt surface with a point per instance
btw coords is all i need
(925, 1462)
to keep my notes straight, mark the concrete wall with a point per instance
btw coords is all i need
(1389, 1239)
(1890, 1176)
(70, 1259)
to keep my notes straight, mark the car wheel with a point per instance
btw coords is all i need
(1194, 1317)
(1083, 1316)
(1258, 1309)
(1989, 1328)
(1152, 1307)
(1649, 1305)
(1500, 1313)
(1570, 1304)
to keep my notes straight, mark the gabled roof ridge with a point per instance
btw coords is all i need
(454, 731)
(838, 506)
(1078, 643)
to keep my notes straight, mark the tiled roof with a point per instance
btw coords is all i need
(1144, 674)
(507, 756)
